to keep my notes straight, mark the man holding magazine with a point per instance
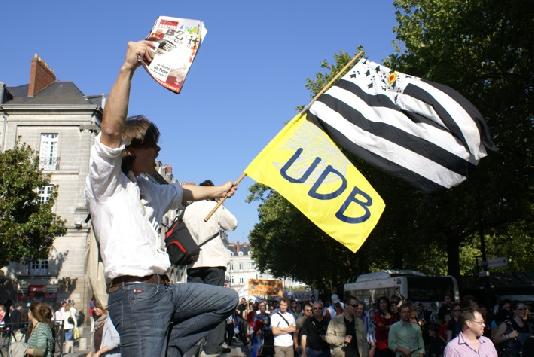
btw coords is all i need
(127, 206)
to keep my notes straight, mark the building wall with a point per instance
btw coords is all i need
(76, 131)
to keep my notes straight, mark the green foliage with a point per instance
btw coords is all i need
(27, 226)
(473, 46)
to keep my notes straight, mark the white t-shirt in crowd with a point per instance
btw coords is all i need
(286, 339)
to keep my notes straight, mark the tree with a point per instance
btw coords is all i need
(27, 225)
(474, 47)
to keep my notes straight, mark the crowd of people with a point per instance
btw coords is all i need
(387, 328)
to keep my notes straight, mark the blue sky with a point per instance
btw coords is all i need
(245, 83)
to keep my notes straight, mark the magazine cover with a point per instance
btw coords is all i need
(176, 44)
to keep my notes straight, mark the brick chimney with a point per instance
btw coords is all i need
(41, 76)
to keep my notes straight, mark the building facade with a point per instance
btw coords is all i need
(59, 122)
(242, 269)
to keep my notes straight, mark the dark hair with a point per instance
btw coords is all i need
(348, 298)
(468, 314)
(206, 183)
(406, 305)
(386, 300)
(139, 131)
(286, 300)
(42, 313)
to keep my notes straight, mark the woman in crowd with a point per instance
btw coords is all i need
(106, 339)
(383, 319)
(512, 333)
(40, 341)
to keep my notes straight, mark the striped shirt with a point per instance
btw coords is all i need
(41, 340)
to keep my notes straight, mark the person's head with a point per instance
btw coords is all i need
(40, 312)
(359, 309)
(308, 310)
(297, 307)
(99, 309)
(262, 306)
(141, 137)
(293, 305)
(506, 305)
(243, 301)
(520, 310)
(383, 304)
(456, 310)
(406, 312)
(472, 322)
(350, 304)
(447, 300)
(284, 303)
(395, 300)
(318, 310)
(2, 312)
(338, 308)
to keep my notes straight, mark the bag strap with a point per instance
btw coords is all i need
(209, 239)
(282, 316)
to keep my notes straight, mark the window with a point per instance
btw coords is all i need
(48, 152)
(231, 267)
(242, 280)
(232, 280)
(45, 192)
(39, 267)
(240, 266)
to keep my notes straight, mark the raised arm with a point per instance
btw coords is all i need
(116, 109)
(197, 193)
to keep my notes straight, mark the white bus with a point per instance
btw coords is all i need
(408, 284)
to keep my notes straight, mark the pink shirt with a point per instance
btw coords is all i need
(459, 347)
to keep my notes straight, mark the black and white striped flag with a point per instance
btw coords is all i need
(423, 132)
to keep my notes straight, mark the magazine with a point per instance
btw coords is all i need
(176, 44)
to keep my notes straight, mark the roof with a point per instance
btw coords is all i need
(58, 93)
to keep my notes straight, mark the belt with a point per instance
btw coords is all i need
(120, 281)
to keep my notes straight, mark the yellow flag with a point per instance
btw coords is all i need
(305, 166)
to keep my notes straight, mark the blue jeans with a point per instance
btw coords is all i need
(211, 276)
(143, 314)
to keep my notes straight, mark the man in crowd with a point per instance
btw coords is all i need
(405, 337)
(341, 332)
(283, 326)
(213, 258)
(314, 334)
(127, 206)
(297, 335)
(364, 333)
(262, 337)
(470, 341)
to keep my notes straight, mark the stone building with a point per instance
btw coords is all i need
(59, 122)
(242, 268)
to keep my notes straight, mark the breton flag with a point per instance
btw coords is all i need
(423, 132)
(304, 165)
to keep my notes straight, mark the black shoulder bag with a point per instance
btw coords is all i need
(181, 247)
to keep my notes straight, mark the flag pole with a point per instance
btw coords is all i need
(321, 92)
(220, 202)
(338, 75)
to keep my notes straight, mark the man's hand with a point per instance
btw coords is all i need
(116, 108)
(138, 51)
(227, 190)
(405, 352)
(348, 338)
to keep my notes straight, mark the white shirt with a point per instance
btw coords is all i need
(65, 317)
(286, 339)
(213, 253)
(126, 213)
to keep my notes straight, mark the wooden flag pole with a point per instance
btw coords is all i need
(221, 201)
(323, 90)
(335, 78)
